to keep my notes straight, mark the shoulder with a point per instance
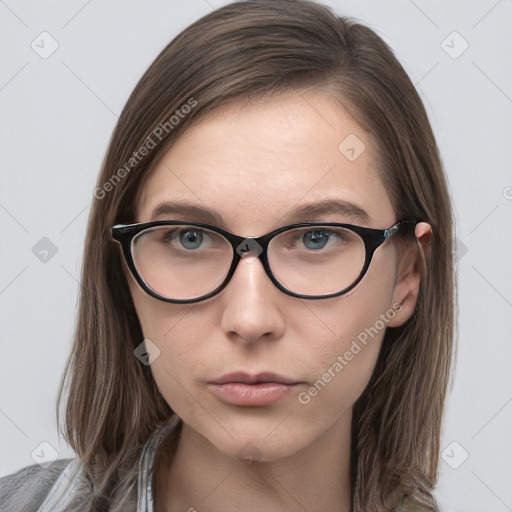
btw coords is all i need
(27, 489)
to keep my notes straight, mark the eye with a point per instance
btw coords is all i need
(317, 238)
(189, 238)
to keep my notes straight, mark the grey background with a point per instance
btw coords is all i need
(57, 115)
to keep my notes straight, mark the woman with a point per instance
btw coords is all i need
(266, 310)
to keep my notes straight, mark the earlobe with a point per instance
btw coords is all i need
(411, 269)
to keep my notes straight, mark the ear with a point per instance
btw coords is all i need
(411, 267)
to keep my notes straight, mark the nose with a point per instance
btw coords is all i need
(253, 304)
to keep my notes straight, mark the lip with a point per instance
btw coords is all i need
(240, 388)
(247, 378)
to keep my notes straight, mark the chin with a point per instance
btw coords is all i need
(256, 441)
(258, 449)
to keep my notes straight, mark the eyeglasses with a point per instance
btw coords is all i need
(184, 262)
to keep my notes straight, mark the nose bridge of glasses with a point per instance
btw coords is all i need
(247, 245)
(250, 248)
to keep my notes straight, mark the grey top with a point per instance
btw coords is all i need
(51, 488)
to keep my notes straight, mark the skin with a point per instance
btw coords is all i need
(252, 164)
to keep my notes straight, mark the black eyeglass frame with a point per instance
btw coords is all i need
(372, 238)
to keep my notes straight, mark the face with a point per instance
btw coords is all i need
(252, 165)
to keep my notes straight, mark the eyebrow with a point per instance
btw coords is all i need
(194, 212)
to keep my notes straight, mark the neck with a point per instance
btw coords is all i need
(203, 479)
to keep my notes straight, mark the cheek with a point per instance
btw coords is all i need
(343, 358)
(157, 318)
(180, 336)
(342, 375)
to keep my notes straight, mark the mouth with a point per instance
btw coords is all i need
(254, 390)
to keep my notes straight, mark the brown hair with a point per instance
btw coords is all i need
(243, 51)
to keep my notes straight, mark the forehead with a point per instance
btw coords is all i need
(251, 164)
